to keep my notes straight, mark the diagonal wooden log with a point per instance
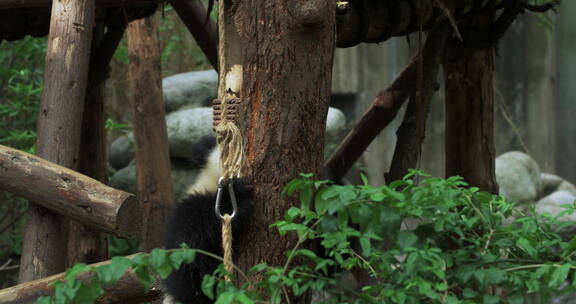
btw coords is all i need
(69, 193)
(126, 291)
(193, 15)
(381, 113)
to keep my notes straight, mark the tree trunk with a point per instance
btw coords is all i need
(468, 73)
(59, 125)
(85, 244)
(276, 58)
(154, 183)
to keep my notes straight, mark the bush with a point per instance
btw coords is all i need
(463, 246)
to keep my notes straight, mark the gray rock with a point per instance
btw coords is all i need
(121, 151)
(518, 176)
(335, 125)
(187, 127)
(182, 178)
(192, 89)
(568, 186)
(550, 182)
(552, 204)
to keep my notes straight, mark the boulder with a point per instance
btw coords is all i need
(192, 89)
(550, 183)
(567, 186)
(518, 176)
(182, 177)
(121, 151)
(552, 204)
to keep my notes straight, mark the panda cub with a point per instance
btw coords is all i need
(193, 221)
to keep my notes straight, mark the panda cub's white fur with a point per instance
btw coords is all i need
(207, 180)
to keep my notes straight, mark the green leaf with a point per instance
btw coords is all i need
(225, 298)
(490, 299)
(182, 256)
(208, 282)
(559, 275)
(525, 245)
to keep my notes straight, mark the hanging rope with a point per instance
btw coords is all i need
(227, 245)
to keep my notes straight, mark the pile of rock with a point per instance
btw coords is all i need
(521, 180)
(189, 119)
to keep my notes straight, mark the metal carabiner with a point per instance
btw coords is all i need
(219, 198)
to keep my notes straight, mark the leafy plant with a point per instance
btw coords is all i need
(435, 242)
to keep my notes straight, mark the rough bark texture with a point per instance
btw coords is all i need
(469, 73)
(85, 244)
(154, 183)
(68, 193)
(128, 290)
(193, 15)
(283, 52)
(59, 126)
(412, 132)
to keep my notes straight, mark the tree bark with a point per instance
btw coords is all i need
(468, 73)
(59, 125)
(276, 58)
(154, 183)
(68, 193)
(85, 244)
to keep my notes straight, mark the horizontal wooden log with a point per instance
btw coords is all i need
(69, 193)
(48, 3)
(127, 290)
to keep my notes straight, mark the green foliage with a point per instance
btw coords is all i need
(436, 242)
(21, 68)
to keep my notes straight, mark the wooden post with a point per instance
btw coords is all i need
(276, 57)
(85, 244)
(468, 73)
(59, 125)
(151, 138)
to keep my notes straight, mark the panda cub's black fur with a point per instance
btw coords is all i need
(194, 222)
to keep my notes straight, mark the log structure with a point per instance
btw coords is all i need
(382, 111)
(128, 290)
(68, 193)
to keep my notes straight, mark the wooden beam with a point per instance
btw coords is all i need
(381, 113)
(69, 193)
(193, 15)
(127, 290)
